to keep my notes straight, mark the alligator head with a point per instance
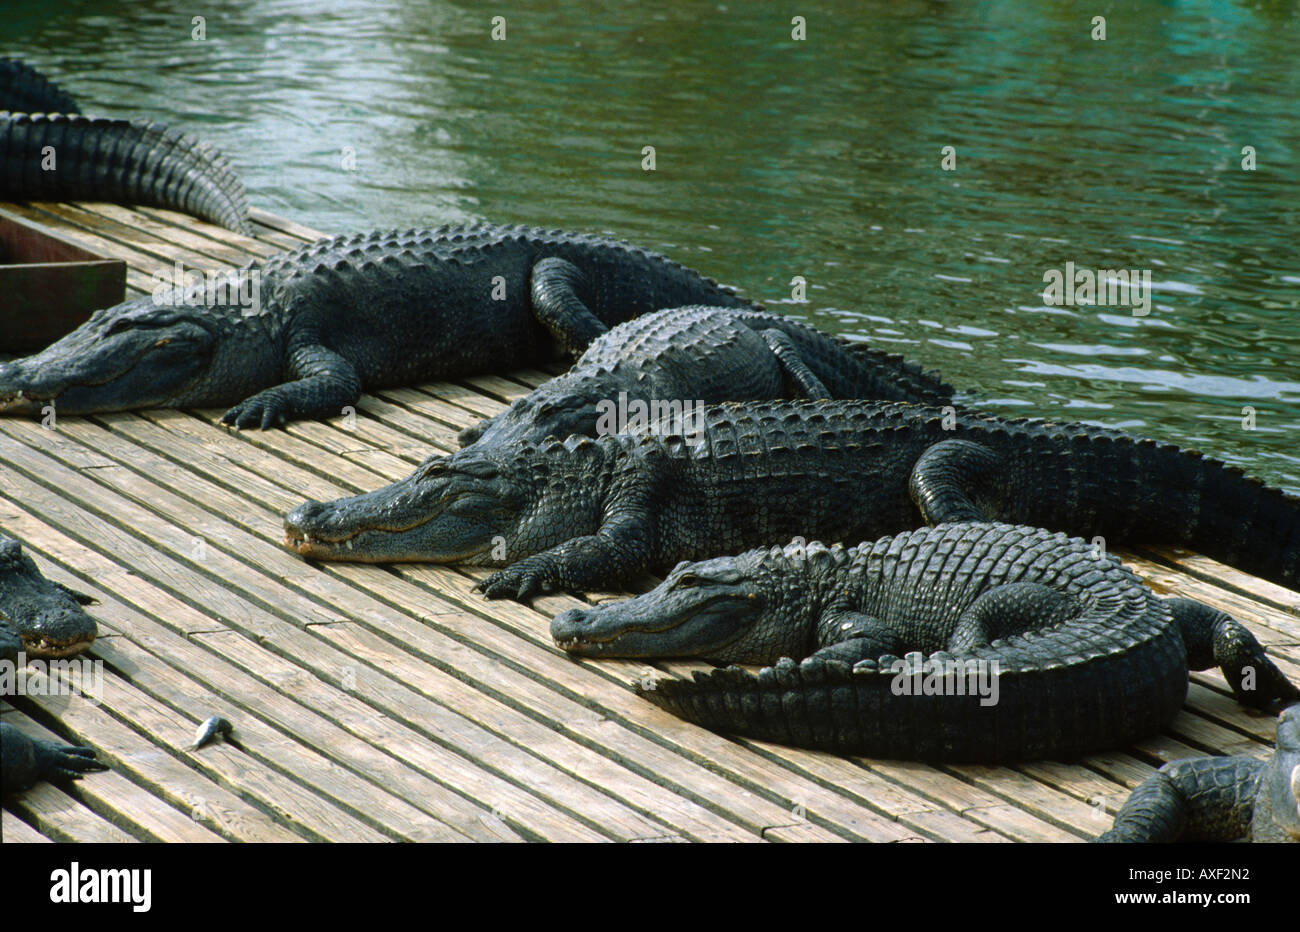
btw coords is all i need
(456, 509)
(743, 609)
(134, 355)
(45, 617)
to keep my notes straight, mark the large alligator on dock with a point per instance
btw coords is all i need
(49, 152)
(964, 642)
(1219, 798)
(589, 514)
(25, 760)
(302, 334)
(38, 617)
(668, 363)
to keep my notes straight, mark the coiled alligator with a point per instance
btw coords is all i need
(38, 617)
(700, 355)
(302, 334)
(48, 151)
(1219, 798)
(25, 760)
(970, 642)
(589, 514)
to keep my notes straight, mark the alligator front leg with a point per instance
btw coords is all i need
(559, 294)
(1215, 638)
(1201, 799)
(850, 636)
(599, 561)
(947, 480)
(325, 383)
(796, 371)
(24, 760)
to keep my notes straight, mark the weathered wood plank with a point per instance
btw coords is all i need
(14, 831)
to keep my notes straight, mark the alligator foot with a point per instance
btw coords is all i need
(521, 581)
(1214, 638)
(25, 760)
(325, 384)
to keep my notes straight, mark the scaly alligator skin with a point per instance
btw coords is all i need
(1219, 798)
(38, 617)
(25, 90)
(25, 760)
(350, 313)
(1049, 647)
(589, 514)
(121, 161)
(702, 355)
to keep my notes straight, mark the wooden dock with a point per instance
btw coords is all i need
(393, 703)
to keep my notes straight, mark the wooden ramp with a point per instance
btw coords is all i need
(384, 704)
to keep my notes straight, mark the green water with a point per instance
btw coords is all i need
(819, 158)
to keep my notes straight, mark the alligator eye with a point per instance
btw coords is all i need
(121, 325)
(688, 581)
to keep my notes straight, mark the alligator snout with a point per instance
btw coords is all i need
(568, 628)
(304, 514)
(298, 525)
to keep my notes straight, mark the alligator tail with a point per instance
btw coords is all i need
(1185, 498)
(920, 386)
(121, 161)
(1059, 712)
(23, 89)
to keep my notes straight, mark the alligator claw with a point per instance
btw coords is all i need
(70, 761)
(263, 413)
(518, 582)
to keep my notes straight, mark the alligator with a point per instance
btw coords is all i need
(962, 642)
(25, 760)
(671, 360)
(38, 617)
(303, 333)
(1219, 798)
(26, 90)
(582, 514)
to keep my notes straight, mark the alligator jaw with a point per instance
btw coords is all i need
(20, 403)
(306, 545)
(356, 548)
(43, 648)
(703, 625)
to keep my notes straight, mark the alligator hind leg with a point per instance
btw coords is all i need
(948, 478)
(325, 384)
(1201, 799)
(1215, 638)
(1011, 608)
(559, 290)
(792, 365)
